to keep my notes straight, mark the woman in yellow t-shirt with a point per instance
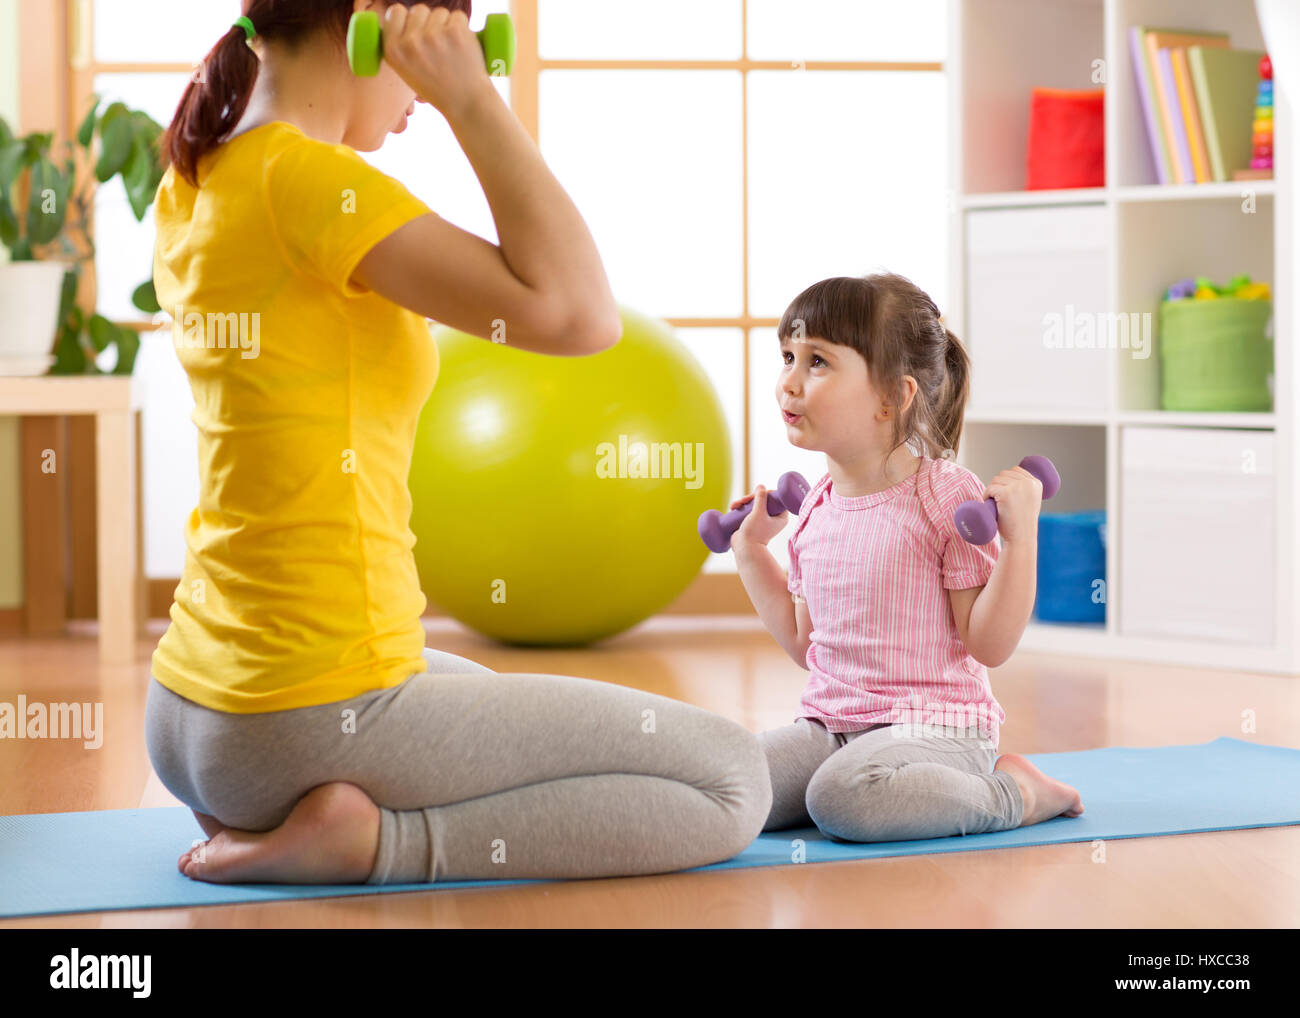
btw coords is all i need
(293, 705)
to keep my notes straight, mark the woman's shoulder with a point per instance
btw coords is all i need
(284, 139)
(275, 145)
(300, 171)
(285, 150)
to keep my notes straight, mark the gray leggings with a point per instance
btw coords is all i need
(481, 776)
(887, 782)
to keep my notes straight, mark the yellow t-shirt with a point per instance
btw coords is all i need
(300, 585)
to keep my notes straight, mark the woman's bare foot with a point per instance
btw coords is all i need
(211, 825)
(1044, 797)
(330, 837)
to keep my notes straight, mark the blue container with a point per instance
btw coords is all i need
(1071, 567)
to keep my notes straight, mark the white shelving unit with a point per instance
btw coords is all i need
(1203, 525)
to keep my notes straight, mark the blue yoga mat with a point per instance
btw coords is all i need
(126, 859)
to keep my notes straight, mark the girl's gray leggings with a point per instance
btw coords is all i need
(887, 782)
(480, 775)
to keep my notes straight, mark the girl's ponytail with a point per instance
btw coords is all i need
(950, 411)
(213, 103)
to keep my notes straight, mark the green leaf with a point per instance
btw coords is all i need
(146, 125)
(102, 332)
(37, 145)
(6, 134)
(156, 177)
(11, 162)
(44, 224)
(146, 298)
(70, 355)
(68, 292)
(86, 132)
(116, 132)
(128, 345)
(151, 132)
(137, 175)
(8, 221)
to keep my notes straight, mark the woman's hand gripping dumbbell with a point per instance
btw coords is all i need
(716, 528)
(977, 522)
(366, 42)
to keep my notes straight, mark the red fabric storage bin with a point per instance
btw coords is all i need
(1066, 139)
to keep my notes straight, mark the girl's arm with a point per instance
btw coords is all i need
(991, 619)
(765, 583)
(1001, 608)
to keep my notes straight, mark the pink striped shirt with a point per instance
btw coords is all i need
(875, 571)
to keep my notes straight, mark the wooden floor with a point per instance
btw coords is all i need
(1231, 879)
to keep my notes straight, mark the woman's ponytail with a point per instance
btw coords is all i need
(216, 98)
(213, 103)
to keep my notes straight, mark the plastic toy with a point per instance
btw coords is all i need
(1261, 153)
(1202, 288)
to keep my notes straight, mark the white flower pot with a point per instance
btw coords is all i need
(29, 315)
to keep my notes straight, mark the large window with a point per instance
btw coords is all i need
(725, 153)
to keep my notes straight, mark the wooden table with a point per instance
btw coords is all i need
(115, 401)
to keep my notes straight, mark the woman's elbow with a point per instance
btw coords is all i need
(603, 334)
(584, 339)
(565, 329)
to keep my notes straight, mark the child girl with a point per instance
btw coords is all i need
(294, 706)
(892, 613)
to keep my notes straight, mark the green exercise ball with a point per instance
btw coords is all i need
(556, 499)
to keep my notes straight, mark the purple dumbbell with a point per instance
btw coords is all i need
(716, 528)
(977, 521)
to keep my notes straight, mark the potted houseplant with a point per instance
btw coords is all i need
(45, 214)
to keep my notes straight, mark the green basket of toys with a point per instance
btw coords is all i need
(1216, 346)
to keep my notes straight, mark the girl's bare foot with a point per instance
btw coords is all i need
(330, 837)
(1044, 797)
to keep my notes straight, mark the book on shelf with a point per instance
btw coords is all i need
(1198, 102)
(1166, 129)
(1191, 114)
(1226, 81)
(1172, 115)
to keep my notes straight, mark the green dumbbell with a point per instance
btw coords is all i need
(366, 44)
